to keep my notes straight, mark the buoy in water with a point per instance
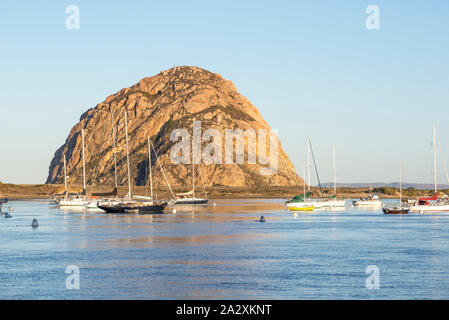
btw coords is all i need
(215, 204)
(35, 224)
(262, 219)
(174, 211)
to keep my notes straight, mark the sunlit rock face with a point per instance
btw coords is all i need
(156, 106)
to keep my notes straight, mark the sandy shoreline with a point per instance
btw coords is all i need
(47, 191)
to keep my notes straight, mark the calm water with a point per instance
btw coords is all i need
(221, 252)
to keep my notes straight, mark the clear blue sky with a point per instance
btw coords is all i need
(310, 67)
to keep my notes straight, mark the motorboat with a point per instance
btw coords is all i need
(371, 201)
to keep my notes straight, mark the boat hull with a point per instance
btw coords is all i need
(72, 203)
(191, 201)
(369, 203)
(396, 210)
(116, 208)
(300, 208)
(154, 208)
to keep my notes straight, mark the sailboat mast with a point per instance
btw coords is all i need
(400, 185)
(65, 176)
(308, 164)
(193, 176)
(335, 172)
(115, 154)
(84, 162)
(435, 157)
(149, 164)
(304, 184)
(127, 154)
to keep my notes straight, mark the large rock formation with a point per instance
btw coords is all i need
(155, 107)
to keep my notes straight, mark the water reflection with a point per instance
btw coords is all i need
(222, 252)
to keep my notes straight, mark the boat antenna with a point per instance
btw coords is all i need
(314, 164)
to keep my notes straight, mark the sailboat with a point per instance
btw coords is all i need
(189, 197)
(333, 202)
(432, 204)
(148, 205)
(78, 200)
(298, 202)
(400, 209)
(305, 203)
(130, 203)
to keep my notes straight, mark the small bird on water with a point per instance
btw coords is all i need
(35, 224)
(262, 219)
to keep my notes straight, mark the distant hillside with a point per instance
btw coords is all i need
(405, 185)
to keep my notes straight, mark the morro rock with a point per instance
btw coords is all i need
(155, 107)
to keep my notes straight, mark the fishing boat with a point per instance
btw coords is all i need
(400, 209)
(371, 201)
(432, 204)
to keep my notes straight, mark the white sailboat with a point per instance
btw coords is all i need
(75, 201)
(305, 203)
(188, 198)
(334, 202)
(432, 204)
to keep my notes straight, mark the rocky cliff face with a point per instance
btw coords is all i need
(155, 107)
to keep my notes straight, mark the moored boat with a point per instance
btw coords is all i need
(400, 209)
(145, 207)
(371, 201)
(432, 204)
(396, 210)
